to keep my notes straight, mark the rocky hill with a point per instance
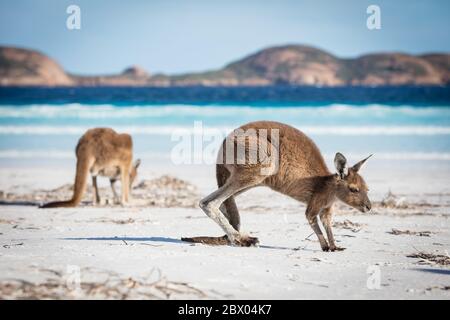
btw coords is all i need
(22, 67)
(291, 64)
(132, 76)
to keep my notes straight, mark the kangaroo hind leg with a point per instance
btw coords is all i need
(231, 212)
(113, 188)
(228, 207)
(125, 180)
(212, 203)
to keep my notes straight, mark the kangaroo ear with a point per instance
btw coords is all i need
(341, 165)
(137, 163)
(358, 165)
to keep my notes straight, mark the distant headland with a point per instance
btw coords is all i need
(281, 65)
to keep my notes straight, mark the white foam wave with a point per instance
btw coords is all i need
(70, 154)
(31, 154)
(107, 111)
(398, 156)
(168, 130)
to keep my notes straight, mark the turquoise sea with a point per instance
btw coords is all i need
(404, 125)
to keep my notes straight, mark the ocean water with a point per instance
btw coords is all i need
(405, 124)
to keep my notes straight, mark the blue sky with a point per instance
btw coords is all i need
(175, 36)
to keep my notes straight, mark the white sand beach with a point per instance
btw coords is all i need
(135, 252)
(181, 85)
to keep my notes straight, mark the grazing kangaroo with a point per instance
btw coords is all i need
(102, 151)
(301, 173)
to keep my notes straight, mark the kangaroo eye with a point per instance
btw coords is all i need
(354, 190)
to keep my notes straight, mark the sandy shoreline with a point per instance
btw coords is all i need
(135, 252)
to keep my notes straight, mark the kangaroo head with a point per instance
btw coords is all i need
(133, 172)
(351, 187)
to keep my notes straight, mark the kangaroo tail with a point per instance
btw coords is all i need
(78, 189)
(214, 241)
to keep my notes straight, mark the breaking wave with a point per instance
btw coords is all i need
(168, 130)
(70, 154)
(108, 111)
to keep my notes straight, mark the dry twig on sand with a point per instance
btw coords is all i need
(114, 287)
(167, 192)
(444, 288)
(393, 201)
(430, 258)
(163, 192)
(411, 233)
(347, 224)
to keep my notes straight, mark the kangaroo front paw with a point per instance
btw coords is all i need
(325, 247)
(336, 248)
(245, 241)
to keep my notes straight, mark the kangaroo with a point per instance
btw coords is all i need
(301, 173)
(102, 151)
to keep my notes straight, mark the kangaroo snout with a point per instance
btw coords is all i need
(366, 207)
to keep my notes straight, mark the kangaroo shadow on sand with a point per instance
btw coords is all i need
(136, 239)
(20, 203)
(173, 240)
(436, 271)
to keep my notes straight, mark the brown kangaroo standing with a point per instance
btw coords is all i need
(301, 173)
(102, 151)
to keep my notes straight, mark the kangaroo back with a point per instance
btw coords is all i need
(81, 176)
